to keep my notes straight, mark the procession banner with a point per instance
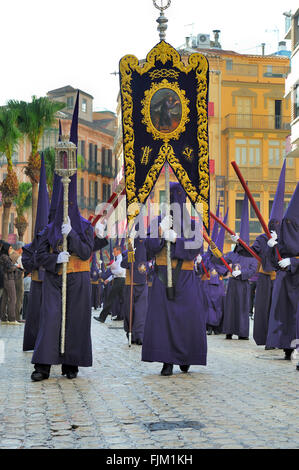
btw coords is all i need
(165, 118)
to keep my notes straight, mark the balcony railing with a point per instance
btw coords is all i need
(253, 121)
(276, 71)
(249, 70)
(100, 169)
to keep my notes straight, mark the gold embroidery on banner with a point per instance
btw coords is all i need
(145, 155)
(164, 73)
(198, 63)
(188, 152)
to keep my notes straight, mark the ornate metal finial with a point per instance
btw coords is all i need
(162, 20)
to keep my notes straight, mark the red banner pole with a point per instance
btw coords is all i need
(252, 202)
(253, 253)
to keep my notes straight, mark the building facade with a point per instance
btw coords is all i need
(96, 159)
(292, 81)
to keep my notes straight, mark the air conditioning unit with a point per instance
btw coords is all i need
(203, 40)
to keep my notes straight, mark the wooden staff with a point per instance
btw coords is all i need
(252, 202)
(231, 232)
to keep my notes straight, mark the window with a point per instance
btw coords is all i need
(70, 102)
(296, 102)
(241, 151)
(229, 64)
(254, 224)
(84, 105)
(82, 148)
(248, 152)
(276, 152)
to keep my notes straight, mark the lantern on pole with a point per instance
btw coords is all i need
(65, 167)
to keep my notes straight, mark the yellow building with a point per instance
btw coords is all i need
(249, 122)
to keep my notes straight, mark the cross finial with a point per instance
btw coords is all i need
(162, 20)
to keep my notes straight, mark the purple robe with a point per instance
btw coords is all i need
(34, 299)
(78, 310)
(285, 299)
(213, 289)
(237, 299)
(263, 293)
(175, 330)
(140, 291)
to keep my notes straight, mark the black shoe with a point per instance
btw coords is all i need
(184, 368)
(116, 318)
(297, 366)
(229, 337)
(101, 318)
(139, 342)
(37, 376)
(243, 337)
(288, 354)
(209, 331)
(71, 375)
(167, 369)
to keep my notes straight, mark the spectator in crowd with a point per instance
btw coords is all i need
(27, 285)
(8, 303)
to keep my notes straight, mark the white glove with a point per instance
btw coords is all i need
(284, 263)
(166, 223)
(272, 242)
(100, 229)
(63, 257)
(236, 273)
(198, 259)
(170, 235)
(235, 238)
(66, 228)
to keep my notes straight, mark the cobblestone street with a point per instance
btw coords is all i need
(245, 398)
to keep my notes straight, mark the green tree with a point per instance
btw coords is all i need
(9, 138)
(23, 201)
(33, 119)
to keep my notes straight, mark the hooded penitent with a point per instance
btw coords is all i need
(221, 234)
(78, 223)
(57, 187)
(278, 203)
(43, 200)
(94, 270)
(215, 226)
(288, 244)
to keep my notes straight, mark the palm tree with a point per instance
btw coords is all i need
(33, 119)
(23, 201)
(9, 138)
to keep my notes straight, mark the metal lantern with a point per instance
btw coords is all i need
(65, 158)
(65, 166)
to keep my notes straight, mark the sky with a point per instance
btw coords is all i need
(48, 44)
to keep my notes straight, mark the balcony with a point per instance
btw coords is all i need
(273, 71)
(253, 121)
(99, 169)
(249, 70)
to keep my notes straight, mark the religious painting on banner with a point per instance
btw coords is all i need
(165, 118)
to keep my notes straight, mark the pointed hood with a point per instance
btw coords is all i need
(288, 244)
(43, 200)
(215, 226)
(244, 227)
(56, 188)
(78, 223)
(221, 234)
(278, 203)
